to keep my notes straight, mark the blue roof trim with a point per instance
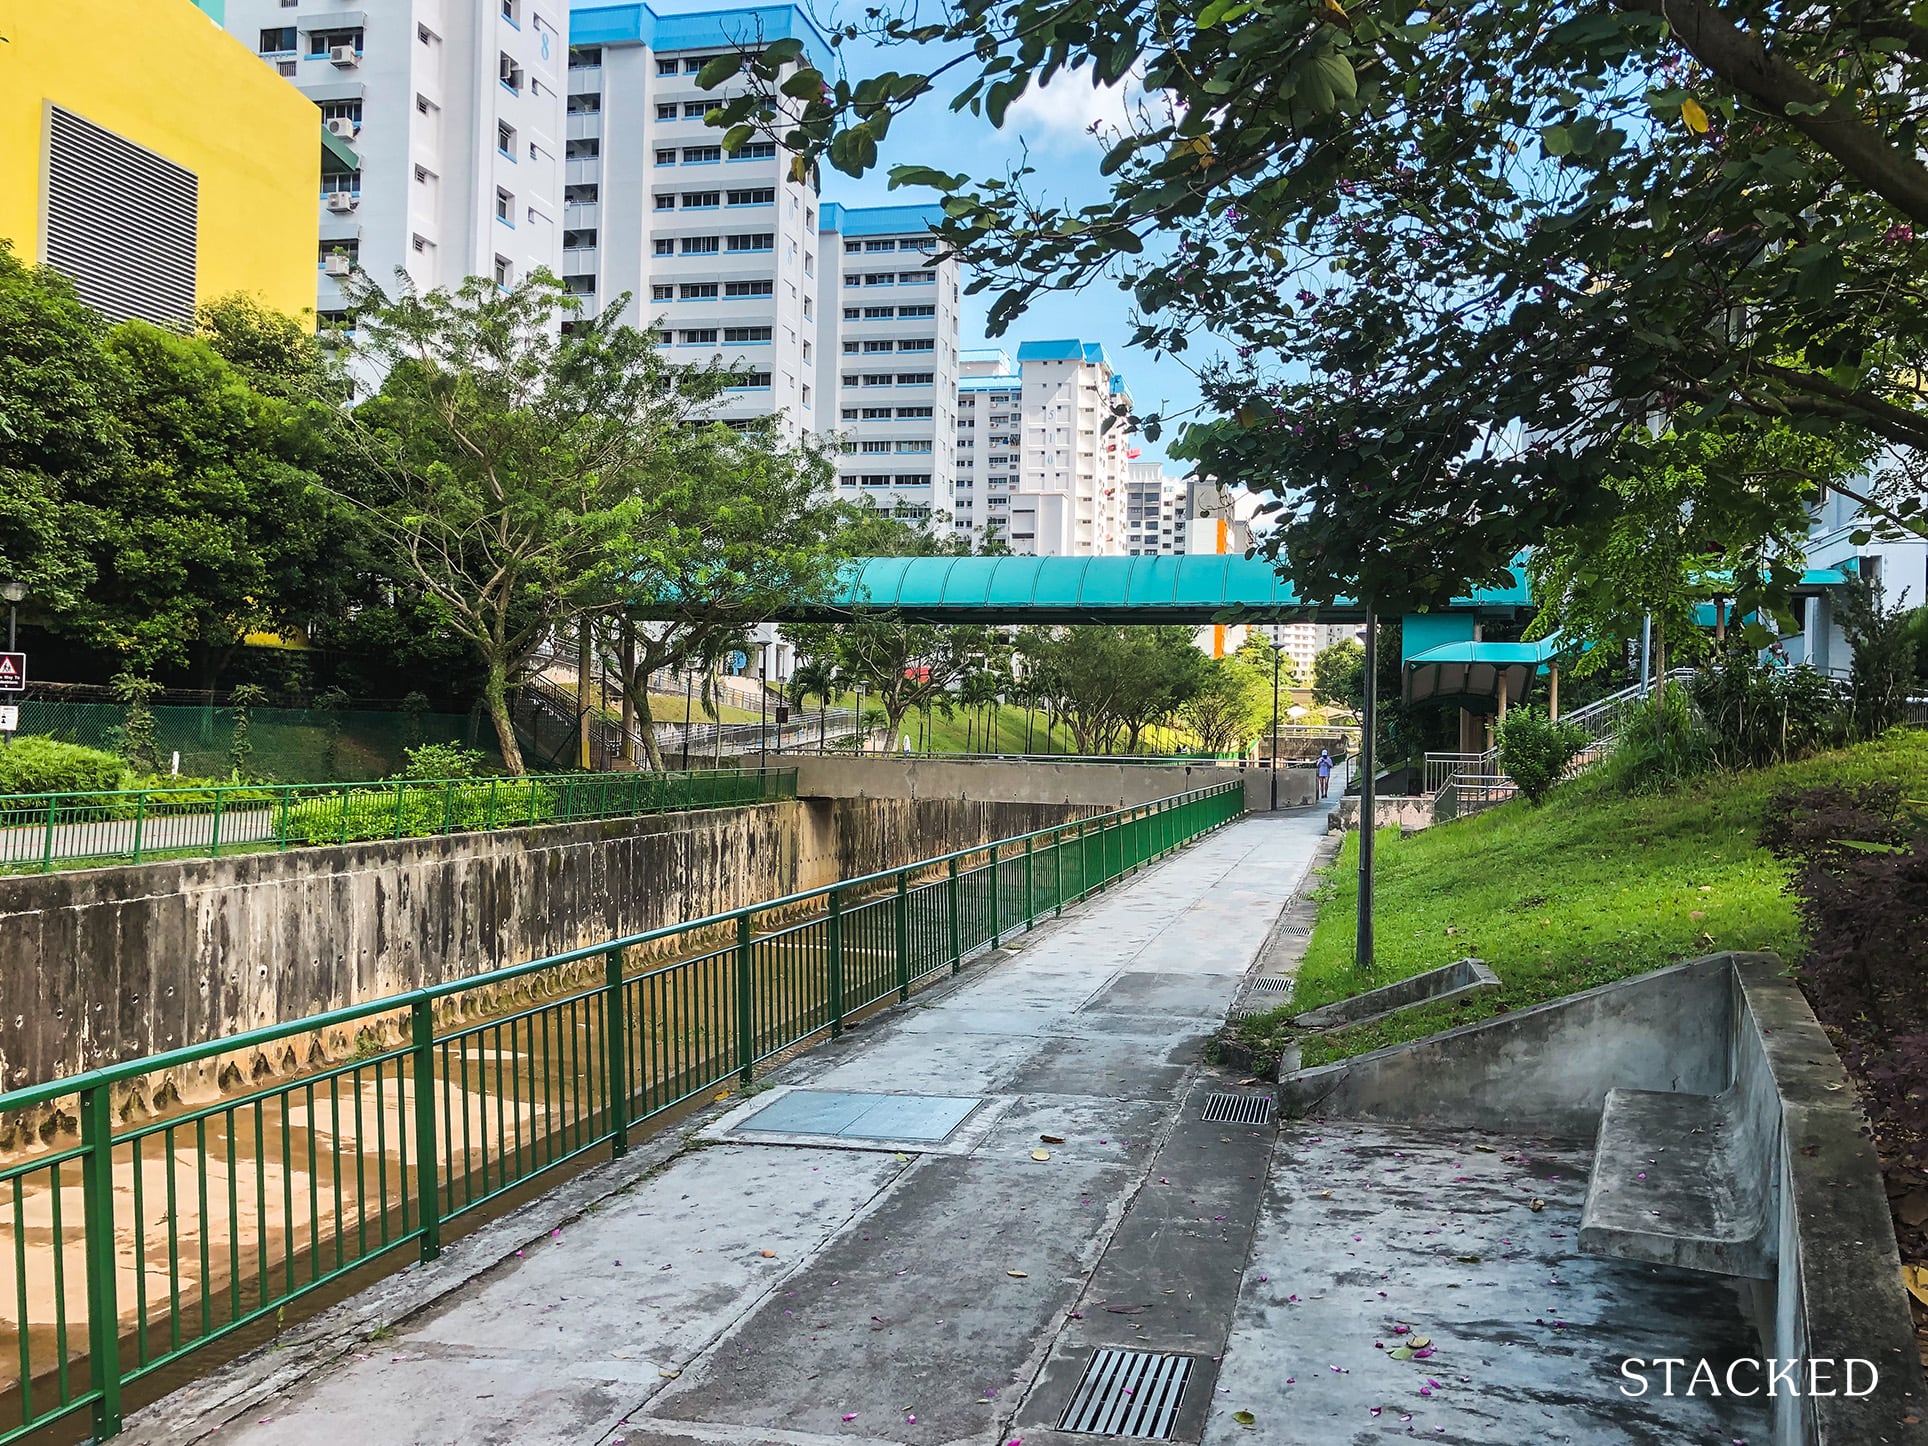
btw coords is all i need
(1009, 382)
(1063, 350)
(716, 29)
(877, 220)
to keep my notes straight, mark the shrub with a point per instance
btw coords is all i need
(46, 765)
(1758, 714)
(437, 761)
(1884, 644)
(1661, 744)
(1535, 751)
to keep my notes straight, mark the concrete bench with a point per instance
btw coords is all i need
(1680, 1179)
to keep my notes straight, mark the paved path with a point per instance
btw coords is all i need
(759, 1292)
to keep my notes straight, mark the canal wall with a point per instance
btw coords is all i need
(99, 966)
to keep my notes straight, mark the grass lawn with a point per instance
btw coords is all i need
(1589, 887)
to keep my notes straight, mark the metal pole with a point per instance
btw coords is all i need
(1368, 726)
(13, 628)
(763, 707)
(1275, 725)
(689, 703)
(1646, 648)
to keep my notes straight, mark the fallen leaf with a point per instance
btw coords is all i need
(1401, 1353)
(1484, 1149)
(769, 1255)
(1245, 1418)
(1915, 1277)
(1467, 1259)
(1040, 1154)
(1018, 1274)
(1536, 1205)
(1419, 1343)
(668, 1375)
(1052, 1139)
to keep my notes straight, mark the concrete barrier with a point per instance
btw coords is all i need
(1095, 784)
(1734, 1031)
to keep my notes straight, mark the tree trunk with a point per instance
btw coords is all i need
(646, 729)
(582, 696)
(495, 695)
(629, 703)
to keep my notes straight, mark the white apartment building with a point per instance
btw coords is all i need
(1157, 507)
(1899, 565)
(988, 443)
(721, 251)
(1037, 467)
(1070, 498)
(454, 110)
(890, 302)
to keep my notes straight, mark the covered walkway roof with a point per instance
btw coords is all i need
(1016, 590)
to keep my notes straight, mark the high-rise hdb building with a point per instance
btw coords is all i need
(454, 117)
(1157, 506)
(986, 444)
(1070, 498)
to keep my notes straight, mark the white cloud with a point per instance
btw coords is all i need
(1067, 109)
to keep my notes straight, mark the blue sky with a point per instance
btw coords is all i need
(1053, 123)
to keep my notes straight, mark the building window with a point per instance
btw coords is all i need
(666, 157)
(660, 292)
(581, 150)
(806, 391)
(880, 245)
(699, 246)
(666, 201)
(585, 103)
(753, 241)
(582, 239)
(325, 44)
(915, 379)
(345, 254)
(807, 312)
(512, 12)
(698, 336)
(504, 271)
(702, 155)
(695, 109)
(695, 63)
(879, 313)
(913, 411)
(747, 335)
(852, 313)
(343, 183)
(278, 40)
(425, 35)
(663, 246)
(747, 288)
(880, 278)
(760, 196)
(917, 344)
(508, 72)
(906, 313)
(755, 151)
(752, 381)
(504, 206)
(585, 57)
(809, 264)
(505, 139)
(666, 111)
(877, 346)
(701, 200)
(583, 193)
(666, 67)
(698, 291)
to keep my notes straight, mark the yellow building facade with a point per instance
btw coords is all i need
(152, 157)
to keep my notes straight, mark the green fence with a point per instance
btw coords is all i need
(304, 743)
(145, 1242)
(42, 831)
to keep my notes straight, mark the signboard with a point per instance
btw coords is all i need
(783, 714)
(13, 672)
(9, 718)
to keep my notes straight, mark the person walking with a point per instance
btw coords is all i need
(1325, 772)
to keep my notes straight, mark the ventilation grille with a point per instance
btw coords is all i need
(1271, 984)
(120, 222)
(1226, 1108)
(1128, 1393)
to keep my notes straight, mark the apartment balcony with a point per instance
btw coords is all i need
(581, 215)
(582, 171)
(584, 79)
(579, 261)
(585, 127)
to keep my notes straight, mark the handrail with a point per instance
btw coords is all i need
(475, 1102)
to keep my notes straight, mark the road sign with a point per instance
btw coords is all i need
(9, 718)
(13, 672)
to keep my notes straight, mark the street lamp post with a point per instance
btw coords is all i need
(1368, 726)
(15, 593)
(1278, 653)
(763, 707)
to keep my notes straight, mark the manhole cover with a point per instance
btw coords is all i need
(848, 1115)
(1128, 1393)
(1271, 984)
(1227, 1108)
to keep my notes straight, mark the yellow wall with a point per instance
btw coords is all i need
(161, 74)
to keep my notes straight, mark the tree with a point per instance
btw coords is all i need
(1459, 251)
(731, 525)
(1109, 684)
(1883, 669)
(1535, 751)
(1227, 711)
(1717, 512)
(511, 458)
(902, 666)
(1339, 675)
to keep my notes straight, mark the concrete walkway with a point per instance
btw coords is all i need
(770, 1286)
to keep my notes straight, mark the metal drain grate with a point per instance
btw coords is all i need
(1128, 1393)
(1227, 1108)
(1271, 984)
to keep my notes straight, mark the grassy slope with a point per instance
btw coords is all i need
(1589, 887)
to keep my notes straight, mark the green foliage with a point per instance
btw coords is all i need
(1662, 743)
(441, 760)
(901, 667)
(1231, 706)
(243, 701)
(1758, 714)
(1535, 751)
(1109, 683)
(33, 764)
(137, 731)
(1884, 643)
(1591, 888)
(1339, 675)
(1427, 231)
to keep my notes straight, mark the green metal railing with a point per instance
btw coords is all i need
(40, 831)
(144, 1242)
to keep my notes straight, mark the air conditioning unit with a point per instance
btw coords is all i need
(341, 201)
(343, 55)
(341, 125)
(511, 74)
(337, 265)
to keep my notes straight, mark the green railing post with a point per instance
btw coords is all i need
(616, 1034)
(140, 820)
(997, 909)
(494, 785)
(47, 852)
(1057, 874)
(836, 963)
(745, 1015)
(97, 1206)
(903, 935)
(448, 806)
(530, 785)
(281, 821)
(214, 845)
(951, 908)
(427, 1187)
(1030, 892)
(399, 786)
(344, 814)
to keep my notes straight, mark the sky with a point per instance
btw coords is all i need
(1050, 127)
